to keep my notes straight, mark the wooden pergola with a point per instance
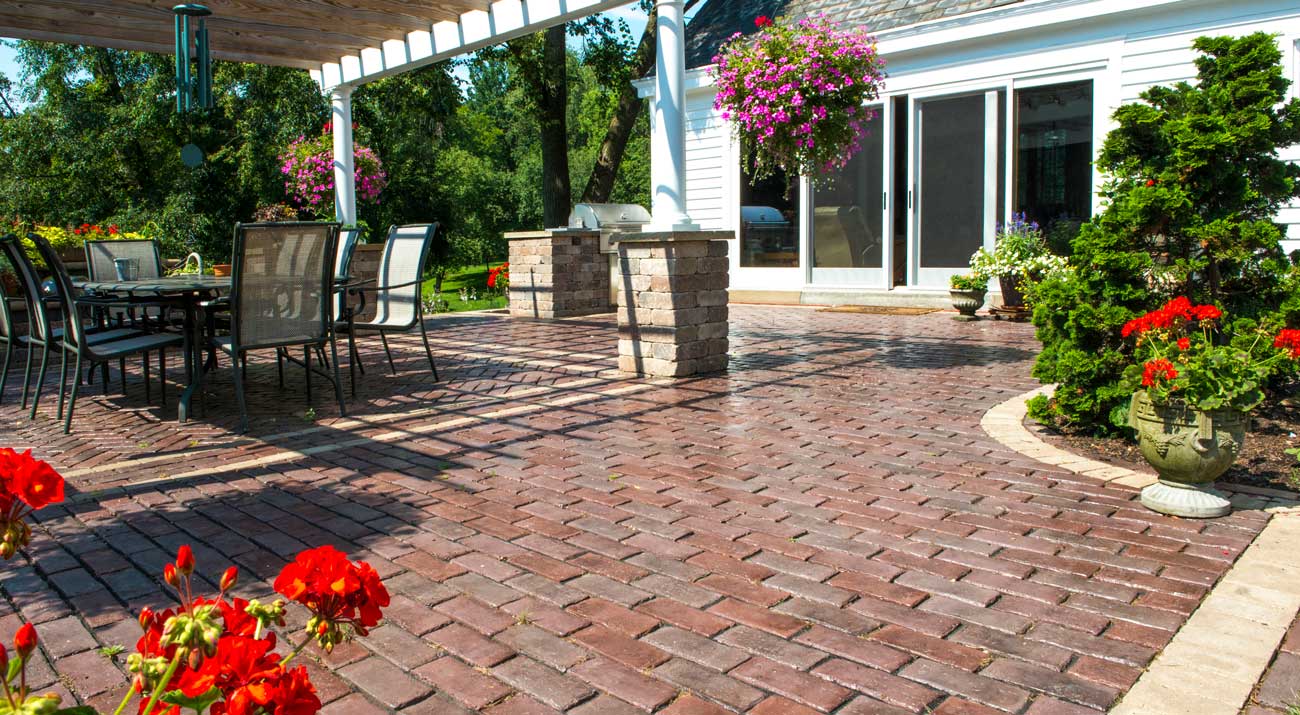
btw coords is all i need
(346, 43)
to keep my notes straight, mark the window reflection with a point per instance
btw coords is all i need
(847, 215)
(769, 221)
(1054, 157)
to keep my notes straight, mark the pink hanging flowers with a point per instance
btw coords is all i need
(308, 169)
(795, 94)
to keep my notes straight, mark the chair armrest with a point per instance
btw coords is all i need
(379, 288)
(222, 302)
(120, 303)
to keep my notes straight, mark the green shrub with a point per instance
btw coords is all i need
(1193, 184)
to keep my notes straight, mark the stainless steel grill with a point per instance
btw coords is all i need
(609, 219)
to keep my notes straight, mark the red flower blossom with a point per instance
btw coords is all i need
(336, 591)
(1289, 340)
(1206, 312)
(1151, 182)
(185, 559)
(1184, 343)
(31, 480)
(762, 21)
(25, 640)
(1159, 369)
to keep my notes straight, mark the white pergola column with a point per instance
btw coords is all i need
(345, 176)
(668, 144)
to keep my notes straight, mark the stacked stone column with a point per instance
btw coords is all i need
(672, 316)
(558, 274)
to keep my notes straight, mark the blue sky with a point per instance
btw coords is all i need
(632, 14)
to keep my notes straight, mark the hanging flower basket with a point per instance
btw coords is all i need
(795, 94)
(308, 168)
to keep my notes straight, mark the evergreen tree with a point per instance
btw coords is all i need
(1194, 183)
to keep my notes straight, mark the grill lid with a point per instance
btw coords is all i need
(762, 215)
(600, 216)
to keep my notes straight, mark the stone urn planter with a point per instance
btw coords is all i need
(967, 302)
(1013, 294)
(1189, 449)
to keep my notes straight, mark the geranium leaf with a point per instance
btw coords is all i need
(198, 703)
(15, 666)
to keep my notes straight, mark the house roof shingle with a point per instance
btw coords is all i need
(718, 20)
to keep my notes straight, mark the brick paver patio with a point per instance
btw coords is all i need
(825, 528)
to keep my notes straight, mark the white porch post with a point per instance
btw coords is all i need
(668, 148)
(345, 179)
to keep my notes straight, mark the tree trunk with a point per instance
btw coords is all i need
(553, 103)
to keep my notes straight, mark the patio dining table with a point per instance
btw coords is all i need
(188, 291)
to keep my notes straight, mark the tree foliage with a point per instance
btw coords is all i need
(1194, 181)
(90, 135)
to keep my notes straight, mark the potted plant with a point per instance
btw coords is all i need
(1020, 254)
(967, 293)
(1195, 385)
(795, 94)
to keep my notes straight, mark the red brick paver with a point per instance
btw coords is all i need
(823, 528)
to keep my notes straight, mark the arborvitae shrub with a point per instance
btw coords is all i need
(1193, 185)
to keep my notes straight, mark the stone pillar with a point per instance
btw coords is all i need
(672, 315)
(557, 273)
(345, 175)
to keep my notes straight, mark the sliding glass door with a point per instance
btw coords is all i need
(956, 178)
(848, 215)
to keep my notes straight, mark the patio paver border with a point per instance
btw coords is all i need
(1231, 638)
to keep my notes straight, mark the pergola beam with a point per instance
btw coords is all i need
(500, 21)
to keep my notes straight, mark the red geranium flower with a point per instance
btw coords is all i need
(1159, 369)
(1206, 312)
(1289, 339)
(1184, 343)
(336, 591)
(762, 21)
(29, 479)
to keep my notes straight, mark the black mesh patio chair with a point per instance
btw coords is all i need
(102, 255)
(282, 296)
(398, 291)
(77, 343)
(43, 313)
(8, 336)
(101, 258)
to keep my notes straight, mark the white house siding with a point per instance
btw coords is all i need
(708, 170)
(1123, 51)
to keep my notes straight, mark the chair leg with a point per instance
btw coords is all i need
(148, 398)
(320, 355)
(40, 379)
(279, 365)
(243, 365)
(4, 369)
(63, 380)
(388, 352)
(72, 402)
(424, 334)
(356, 353)
(162, 377)
(121, 366)
(239, 395)
(338, 385)
(103, 374)
(306, 362)
(27, 375)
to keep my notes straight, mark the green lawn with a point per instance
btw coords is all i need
(470, 279)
